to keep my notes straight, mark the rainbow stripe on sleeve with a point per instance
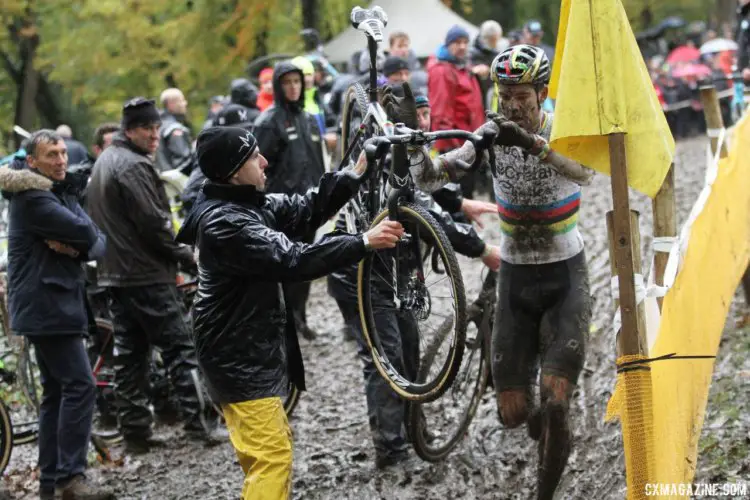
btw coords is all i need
(559, 217)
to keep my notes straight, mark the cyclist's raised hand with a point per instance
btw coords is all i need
(510, 133)
(400, 109)
(385, 235)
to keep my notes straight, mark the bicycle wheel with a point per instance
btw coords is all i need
(25, 409)
(370, 199)
(292, 398)
(6, 437)
(436, 428)
(100, 347)
(27, 376)
(352, 114)
(427, 304)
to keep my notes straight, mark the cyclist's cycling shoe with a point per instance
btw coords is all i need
(80, 489)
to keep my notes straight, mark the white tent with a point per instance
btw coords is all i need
(426, 22)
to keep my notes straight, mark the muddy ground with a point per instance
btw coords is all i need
(333, 452)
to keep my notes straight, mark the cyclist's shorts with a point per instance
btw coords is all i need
(542, 317)
(261, 437)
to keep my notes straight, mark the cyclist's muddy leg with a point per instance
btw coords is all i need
(562, 361)
(514, 407)
(515, 340)
(554, 442)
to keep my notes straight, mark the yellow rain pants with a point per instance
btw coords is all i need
(262, 439)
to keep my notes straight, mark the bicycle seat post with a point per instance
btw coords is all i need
(372, 46)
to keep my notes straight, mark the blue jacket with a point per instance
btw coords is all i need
(46, 289)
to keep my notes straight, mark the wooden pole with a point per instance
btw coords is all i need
(631, 339)
(625, 259)
(641, 347)
(665, 224)
(714, 121)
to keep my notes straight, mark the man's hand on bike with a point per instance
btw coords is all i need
(510, 133)
(401, 109)
(491, 258)
(361, 165)
(473, 209)
(385, 235)
(62, 248)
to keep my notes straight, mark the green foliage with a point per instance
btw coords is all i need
(98, 53)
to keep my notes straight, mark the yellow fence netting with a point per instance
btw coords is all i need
(664, 449)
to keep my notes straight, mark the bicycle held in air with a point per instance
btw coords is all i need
(419, 280)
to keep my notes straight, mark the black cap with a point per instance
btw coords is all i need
(233, 115)
(223, 150)
(393, 64)
(242, 91)
(139, 112)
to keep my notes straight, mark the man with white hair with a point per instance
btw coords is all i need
(175, 139)
(488, 43)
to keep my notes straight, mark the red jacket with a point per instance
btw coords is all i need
(264, 100)
(455, 99)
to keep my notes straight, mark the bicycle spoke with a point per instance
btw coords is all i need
(438, 281)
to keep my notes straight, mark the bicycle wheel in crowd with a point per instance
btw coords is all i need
(436, 428)
(419, 284)
(6, 437)
(25, 407)
(100, 348)
(292, 398)
(352, 113)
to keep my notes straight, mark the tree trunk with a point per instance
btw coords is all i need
(310, 14)
(28, 86)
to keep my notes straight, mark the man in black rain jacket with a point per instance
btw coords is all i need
(290, 139)
(247, 347)
(126, 199)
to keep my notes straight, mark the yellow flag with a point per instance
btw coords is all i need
(602, 87)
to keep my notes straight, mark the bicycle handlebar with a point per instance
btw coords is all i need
(376, 147)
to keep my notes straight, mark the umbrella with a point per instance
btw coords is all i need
(718, 45)
(673, 22)
(692, 70)
(684, 54)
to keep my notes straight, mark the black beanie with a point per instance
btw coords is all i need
(393, 64)
(223, 150)
(139, 112)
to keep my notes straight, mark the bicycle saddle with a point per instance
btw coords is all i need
(371, 21)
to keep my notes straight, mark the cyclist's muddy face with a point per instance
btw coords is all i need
(522, 104)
